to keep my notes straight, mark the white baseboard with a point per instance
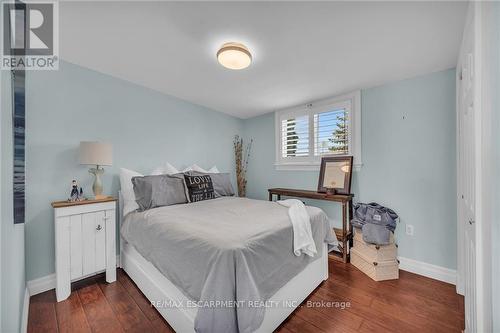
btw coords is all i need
(43, 284)
(26, 308)
(428, 270)
(46, 283)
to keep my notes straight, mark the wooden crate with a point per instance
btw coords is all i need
(358, 235)
(378, 271)
(376, 252)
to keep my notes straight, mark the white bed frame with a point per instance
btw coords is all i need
(159, 290)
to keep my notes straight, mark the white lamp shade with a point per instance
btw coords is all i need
(96, 153)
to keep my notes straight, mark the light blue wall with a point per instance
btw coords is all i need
(13, 282)
(408, 164)
(146, 129)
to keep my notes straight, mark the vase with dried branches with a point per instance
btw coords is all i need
(242, 155)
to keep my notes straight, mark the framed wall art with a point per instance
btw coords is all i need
(335, 175)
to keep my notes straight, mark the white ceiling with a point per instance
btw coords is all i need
(301, 51)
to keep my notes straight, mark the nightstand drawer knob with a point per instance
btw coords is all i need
(98, 227)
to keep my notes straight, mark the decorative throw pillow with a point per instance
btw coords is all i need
(220, 181)
(199, 188)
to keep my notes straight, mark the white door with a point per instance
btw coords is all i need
(466, 172)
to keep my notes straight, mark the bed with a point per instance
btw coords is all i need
(226, 249)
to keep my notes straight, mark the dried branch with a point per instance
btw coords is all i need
(242, 156)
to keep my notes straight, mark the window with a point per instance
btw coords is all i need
(295, 138)
(329, 127)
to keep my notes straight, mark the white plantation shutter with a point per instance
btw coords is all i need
(295, 137)
(331, 132)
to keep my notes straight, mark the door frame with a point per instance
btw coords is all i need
(482, 116)
(460, 281)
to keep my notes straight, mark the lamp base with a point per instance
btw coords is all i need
(97, 186)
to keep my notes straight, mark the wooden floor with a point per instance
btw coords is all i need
(410, 304)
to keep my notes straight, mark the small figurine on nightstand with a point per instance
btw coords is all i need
(76, 194)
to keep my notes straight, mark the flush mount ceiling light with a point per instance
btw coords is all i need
(234, 56)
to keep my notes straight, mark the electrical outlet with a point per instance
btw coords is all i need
(409, 230)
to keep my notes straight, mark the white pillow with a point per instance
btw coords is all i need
(127, 189)
(213, 170)
(169, 169)
(166, 169)
(157, 171)
(194, 167)
(197, 168)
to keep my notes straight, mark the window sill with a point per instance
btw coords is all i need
(305, 166)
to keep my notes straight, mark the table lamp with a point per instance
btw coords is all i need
(98, 154)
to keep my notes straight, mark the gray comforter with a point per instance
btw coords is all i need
(235, 250)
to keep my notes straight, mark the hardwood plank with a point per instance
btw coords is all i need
(349, 293)
(70, 315)
(130, 316)
(161, 326)
(139, 298)
(352, 320)
(42, 313)
(321, 321)
(438, 291)
(461, 308)
(295, 324)
(409, 317)
(282, 328)
(368, 326)
(363, 312)
(97, 310)
(158, 323)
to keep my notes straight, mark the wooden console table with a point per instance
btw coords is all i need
(344, 235)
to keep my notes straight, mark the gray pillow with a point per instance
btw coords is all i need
(221, 183)
(158, 191)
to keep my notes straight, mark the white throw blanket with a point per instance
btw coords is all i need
(303, 241)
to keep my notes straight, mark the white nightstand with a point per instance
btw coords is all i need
(85, 235)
